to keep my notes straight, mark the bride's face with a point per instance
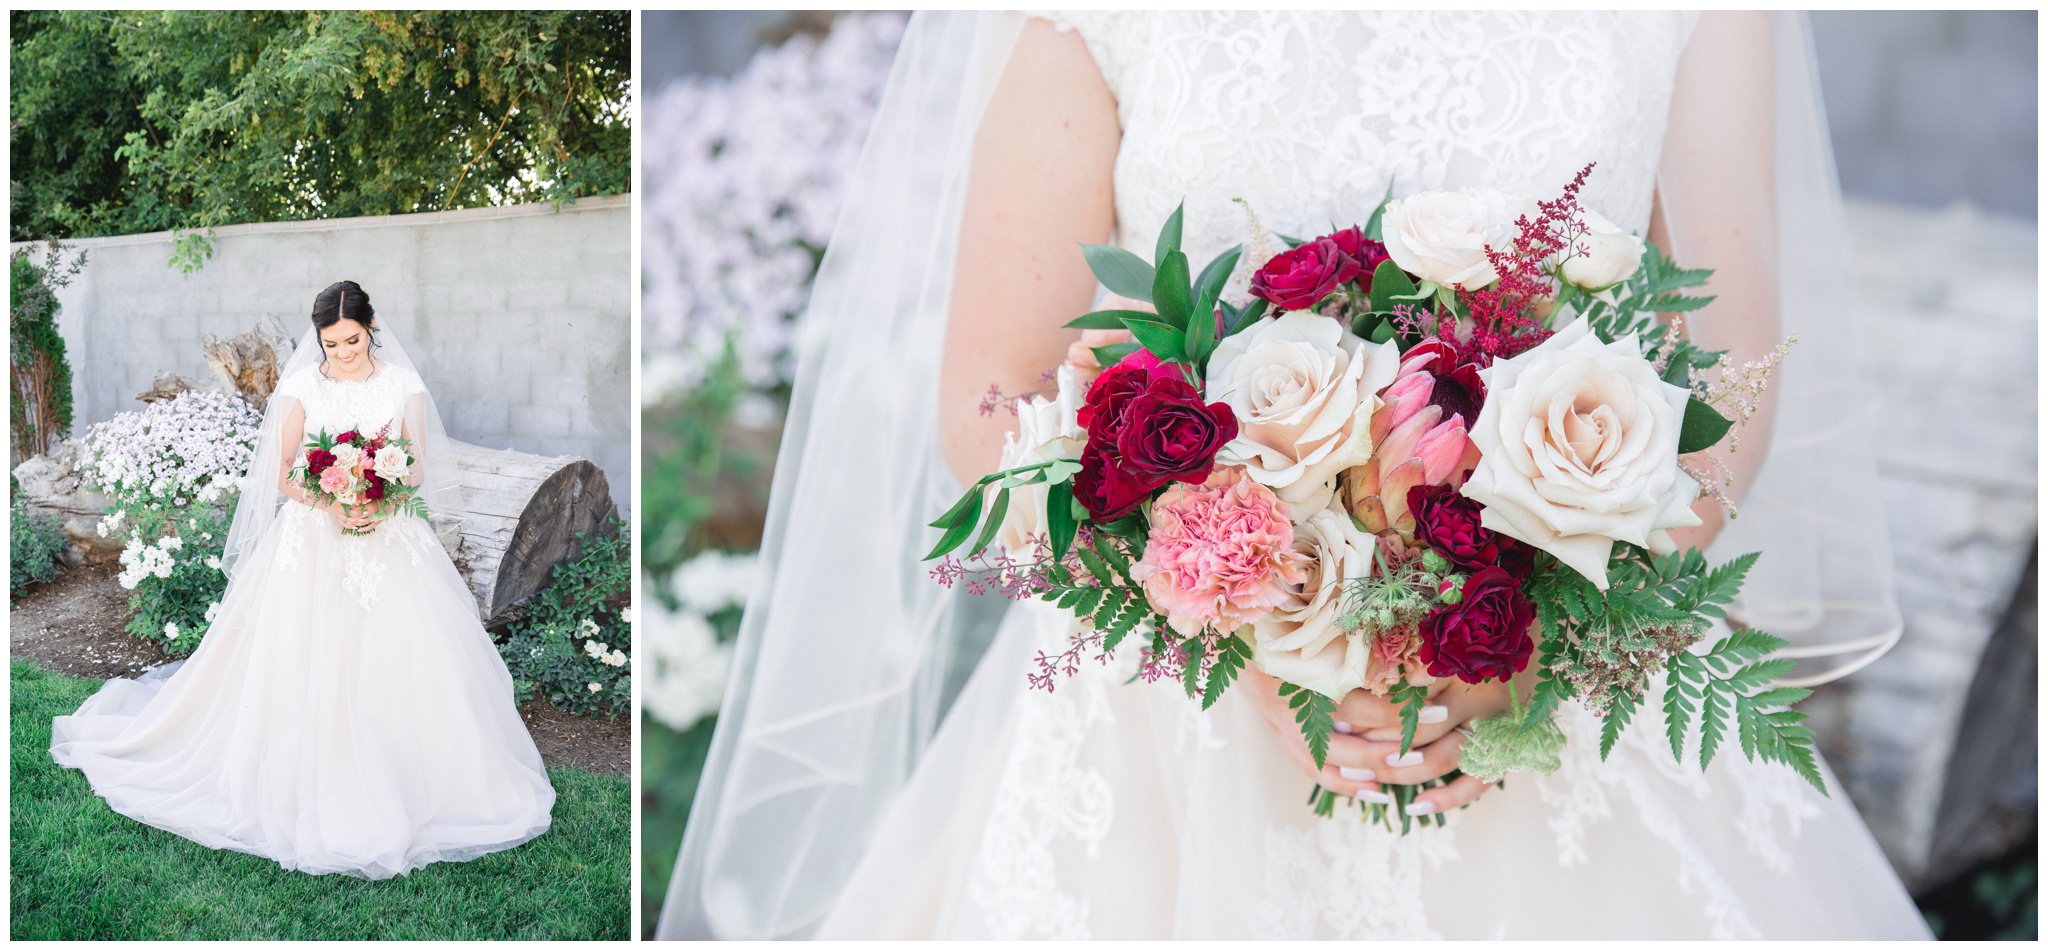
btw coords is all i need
(346, 344)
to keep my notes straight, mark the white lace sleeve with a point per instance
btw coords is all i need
(1100, 30)
(297, 385)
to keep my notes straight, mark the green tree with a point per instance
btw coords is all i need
(137, 121)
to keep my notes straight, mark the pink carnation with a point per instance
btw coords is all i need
(1393, 651)
(1220, 554)
(334, 480)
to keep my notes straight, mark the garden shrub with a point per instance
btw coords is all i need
(575, 644)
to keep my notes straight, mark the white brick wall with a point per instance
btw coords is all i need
(519, 317)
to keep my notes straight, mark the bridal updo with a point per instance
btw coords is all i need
(344, 300)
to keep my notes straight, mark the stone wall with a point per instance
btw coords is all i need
(520, 318)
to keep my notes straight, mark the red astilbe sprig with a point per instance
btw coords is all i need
(1503, 322)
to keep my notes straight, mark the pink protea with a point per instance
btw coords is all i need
(1220, 554)
(1418, 435)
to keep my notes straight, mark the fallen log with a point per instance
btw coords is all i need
(516, 515)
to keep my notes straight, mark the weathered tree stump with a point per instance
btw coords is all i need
(519, 516)
(247, 363)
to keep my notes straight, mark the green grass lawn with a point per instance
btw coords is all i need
(83, 871)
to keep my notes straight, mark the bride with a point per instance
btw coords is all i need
(346, 712)
(858, 788)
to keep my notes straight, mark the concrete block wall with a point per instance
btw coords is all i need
(520, 318)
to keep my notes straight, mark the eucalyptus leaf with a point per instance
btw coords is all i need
(1109, 319)
(1113, 354)
(1373, 225)
(1390, 285)
(1703, 426)
(1165, 342)
(1170, 291)
(1217, 273)
(1119, 270)
(1169, 234)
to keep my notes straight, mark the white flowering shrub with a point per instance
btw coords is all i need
(171, 469)
(744, 177)
(190, 449)
(689, 647)
(171, 568)
(575, 645)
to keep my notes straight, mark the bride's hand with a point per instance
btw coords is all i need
(348, 518)
(1368, 739)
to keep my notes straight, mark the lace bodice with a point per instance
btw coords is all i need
(1308, 115)
(366, 406)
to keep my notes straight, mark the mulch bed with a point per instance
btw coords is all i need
(73, 625)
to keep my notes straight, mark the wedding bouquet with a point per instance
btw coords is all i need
(1449, 443)
(354, 469)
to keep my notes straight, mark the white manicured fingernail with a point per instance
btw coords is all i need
(1434, 714)
(1341, 726)
(1420, 808)
(1376, 797)
(1410, 758)
(1355, 774)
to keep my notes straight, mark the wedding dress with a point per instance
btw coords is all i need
(346, 712)
(1122, 810)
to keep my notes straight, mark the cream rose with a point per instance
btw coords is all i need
(346, 455)
(1611, 255)
(1300, 641)
(1443, 236)
(1578, 445)
(393, 464)
(1047, 429)
(1303, 389)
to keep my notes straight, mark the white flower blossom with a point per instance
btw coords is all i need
(745, 176)
(212, 611)
(597, 688)
(170, 630)
(685, 680)
(714, 581)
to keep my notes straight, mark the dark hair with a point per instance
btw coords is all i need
(343, 299)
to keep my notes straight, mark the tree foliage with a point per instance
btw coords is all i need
(136, 121)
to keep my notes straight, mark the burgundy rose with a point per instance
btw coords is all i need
(1449, 523)
(1170, 434)
(1367, 252)
(347, 437)
(1485, 636)
(1103, 409)
(317, 460)
(375, 492)
(1299, 279)
(1107, 489)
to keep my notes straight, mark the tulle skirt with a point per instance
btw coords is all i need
(1115, 810)
(346, 713)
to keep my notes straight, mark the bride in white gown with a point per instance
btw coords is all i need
(857, 789)
(346, 711)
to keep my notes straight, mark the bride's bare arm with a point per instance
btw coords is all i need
(1040, 187)
(1718, 209)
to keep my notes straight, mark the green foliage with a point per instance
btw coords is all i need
(36, 357)
(1411, 698)
(1316, 715)
(137, 121)
(33, 545)
(1232, 654)
(687, 450)
(1510, 742)
(1184, 329)
(85, 872)
(1658, 287)
(1602, 647)
(1734, 680)
(556, 646)
(175, 609)
(959, 521)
